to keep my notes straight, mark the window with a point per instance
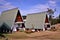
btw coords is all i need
(48, 26)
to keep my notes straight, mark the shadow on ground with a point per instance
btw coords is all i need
(1, 35)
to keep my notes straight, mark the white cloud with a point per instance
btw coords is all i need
(52, 2)
(35, 8)
(5, 5)
(40, 7)
(3, 2)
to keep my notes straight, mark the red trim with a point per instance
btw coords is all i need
(46, 20)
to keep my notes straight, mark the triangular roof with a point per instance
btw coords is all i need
(18, 17)
(9, 17)
(46, 20)
(36, 20)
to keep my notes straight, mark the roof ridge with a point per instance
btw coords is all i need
(38, 13)
(9, 9)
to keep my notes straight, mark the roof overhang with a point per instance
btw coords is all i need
(18, 22)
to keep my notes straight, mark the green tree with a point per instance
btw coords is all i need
(59, 19)
(50, 13)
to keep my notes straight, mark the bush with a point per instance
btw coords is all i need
(58, 20)
(53, 29)
(55, 21)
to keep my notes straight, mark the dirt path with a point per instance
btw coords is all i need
(42, 35)
(46, 35)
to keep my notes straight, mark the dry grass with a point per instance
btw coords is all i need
(46, 35)
(17, 35)
(43, 35)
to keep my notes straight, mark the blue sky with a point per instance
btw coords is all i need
(30, 6)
